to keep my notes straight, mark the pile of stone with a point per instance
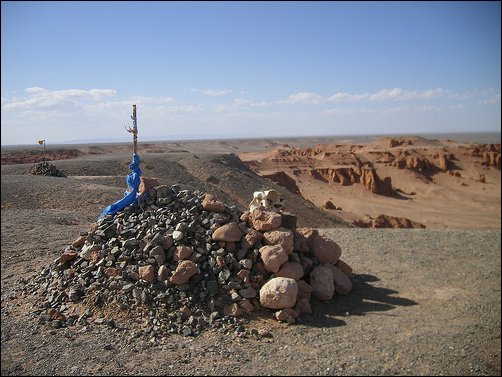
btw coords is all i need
(46, 168)
(184, 261)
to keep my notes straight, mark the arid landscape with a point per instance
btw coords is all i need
(434, 184)
(426, 288)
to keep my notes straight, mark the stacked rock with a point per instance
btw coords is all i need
(302, 264)
(184, 261)
(46, 168)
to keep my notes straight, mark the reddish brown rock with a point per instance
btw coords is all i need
(346, 176)
(308, 233)
(303, 306)
(94, 227)
(94, 256)
(491, 159)
(230, 246)
(321, 280)
(401, 141)
(251, 238)
(386, 221)
(265, 220)
(182, 252)
(372, 182)
(111, 271)
(55, 314)
(443, 162)
(258, 279)
(210, 203)
(343, 284)
(280, 236)
(184, 271)
(417, 164)
(288, 220)
(243, 275)
(229, 233)
(284, 180)
(260, 268)
(279, 293)
(288, 314)
(245, 216)
(293, 270)
(185, 312)
(233, 310)
(167, 242)
(344, 267)
(304, 289)
(273, 256)
(303, 238)
(146, 273)
(246, 305)
(78, 242)
(325, 250)
(67, 256)
(146, 184)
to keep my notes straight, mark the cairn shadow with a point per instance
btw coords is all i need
(363, 299)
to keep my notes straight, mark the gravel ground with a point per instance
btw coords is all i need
(424, 302)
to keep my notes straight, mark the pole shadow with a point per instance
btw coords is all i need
(364, 298)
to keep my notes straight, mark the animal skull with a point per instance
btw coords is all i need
(270, 200)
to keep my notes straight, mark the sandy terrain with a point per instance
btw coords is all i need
(424, 302)
(437, 184)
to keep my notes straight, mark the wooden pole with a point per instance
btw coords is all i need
(135, 132)
(134, 129)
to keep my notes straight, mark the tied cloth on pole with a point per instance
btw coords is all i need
(132, 180)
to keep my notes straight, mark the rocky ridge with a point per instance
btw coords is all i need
(413, 170)
(182, 262)
(489, 153)
(347, 176)
(34, 156)
(386, 221)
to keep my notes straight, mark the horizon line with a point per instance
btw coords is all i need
(183, 138)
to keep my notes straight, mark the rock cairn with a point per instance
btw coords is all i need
(46, 168)
(184, 261)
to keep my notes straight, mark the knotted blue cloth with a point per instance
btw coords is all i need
(133, 180)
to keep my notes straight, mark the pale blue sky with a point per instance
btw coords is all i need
(72, 70)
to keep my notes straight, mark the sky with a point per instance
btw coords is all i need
(71, 71)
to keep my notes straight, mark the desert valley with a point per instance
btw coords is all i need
(425, 297)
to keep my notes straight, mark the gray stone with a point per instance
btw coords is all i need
(177, 235)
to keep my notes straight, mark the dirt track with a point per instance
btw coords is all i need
(425, 302)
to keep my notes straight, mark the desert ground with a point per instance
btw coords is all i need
(426, 288)
(435, 184)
